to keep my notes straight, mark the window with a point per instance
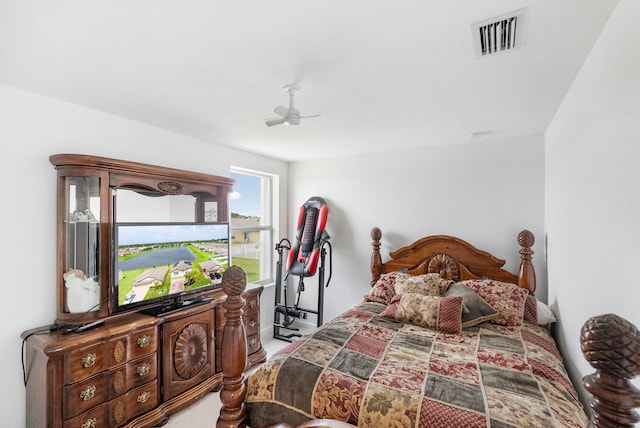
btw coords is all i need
(252, 231)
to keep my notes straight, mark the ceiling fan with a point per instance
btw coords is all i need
(288, 116)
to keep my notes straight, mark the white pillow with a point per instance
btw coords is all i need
(545, 314)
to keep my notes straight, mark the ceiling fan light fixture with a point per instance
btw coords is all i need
(289, 116)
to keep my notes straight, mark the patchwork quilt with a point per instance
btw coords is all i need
(373, 371)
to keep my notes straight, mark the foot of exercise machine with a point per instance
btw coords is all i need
(304, 258)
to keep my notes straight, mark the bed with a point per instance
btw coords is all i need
(445, 337)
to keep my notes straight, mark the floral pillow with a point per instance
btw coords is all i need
(474, 309)
(508, 299)
(434, 312)
(430, 284)
(384, 288)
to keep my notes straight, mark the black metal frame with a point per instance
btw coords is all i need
(285, 314)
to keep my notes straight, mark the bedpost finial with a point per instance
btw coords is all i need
(526, 239)
(234, 281)
(376, 234)
(611, 344)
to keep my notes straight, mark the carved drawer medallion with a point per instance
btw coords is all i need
(119, 382)
(190, 352)
(119, 412)
(119, 352)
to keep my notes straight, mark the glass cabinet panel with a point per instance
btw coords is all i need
(82, 244)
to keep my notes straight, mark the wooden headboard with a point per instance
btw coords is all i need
(454, 259)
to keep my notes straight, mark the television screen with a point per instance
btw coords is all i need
(164, 261)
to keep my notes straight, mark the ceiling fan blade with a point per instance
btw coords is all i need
(281, 110)
(313, 115)
(274, 121)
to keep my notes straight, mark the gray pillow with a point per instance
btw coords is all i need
(475, 309)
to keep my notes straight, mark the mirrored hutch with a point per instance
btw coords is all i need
(104, 364)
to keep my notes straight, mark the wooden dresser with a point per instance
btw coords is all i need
(137, 367)
(99, 378)
(133, 371)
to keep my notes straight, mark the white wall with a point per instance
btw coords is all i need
(32, 128)
(483, 192)
(593, 188)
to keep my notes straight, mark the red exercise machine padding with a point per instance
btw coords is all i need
(302, 259)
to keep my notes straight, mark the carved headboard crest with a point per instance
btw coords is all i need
(440, 263)
(445, 265)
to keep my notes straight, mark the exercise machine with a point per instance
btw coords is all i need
(305, 257)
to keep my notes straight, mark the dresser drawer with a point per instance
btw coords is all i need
(253, 343)
(253, 303)
(143, 342)
(81, 396)
(97, 417)
(118, 411)
(105, 354)
(252, 324)
(128, 347)
(133, 403)
(84, 362)
(133, 374)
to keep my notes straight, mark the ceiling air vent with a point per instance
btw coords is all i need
(500, 34)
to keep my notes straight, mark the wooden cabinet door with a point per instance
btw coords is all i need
(188, 352)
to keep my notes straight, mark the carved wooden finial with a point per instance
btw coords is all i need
(376, 234)
(526, 239)
(611, 344)
(234, 281)
(376, 259)
(526, 274)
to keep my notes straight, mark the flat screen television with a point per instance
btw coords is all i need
(164, 265)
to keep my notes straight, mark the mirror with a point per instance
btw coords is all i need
(133, 207)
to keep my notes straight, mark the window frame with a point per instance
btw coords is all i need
(268, 203)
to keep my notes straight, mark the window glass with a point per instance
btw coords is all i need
(251, 224)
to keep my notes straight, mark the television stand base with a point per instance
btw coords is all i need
(176, 306)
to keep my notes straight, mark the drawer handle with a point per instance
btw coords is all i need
(144, 369)
(88, 393)
(89, 423)
(253, 343)
(144, 341)
(252, 304)
(142, 398)
(88, 360)
(252, 323)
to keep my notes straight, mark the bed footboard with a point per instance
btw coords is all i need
(611, 344)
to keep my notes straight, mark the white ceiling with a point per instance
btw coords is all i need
(382, 74)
